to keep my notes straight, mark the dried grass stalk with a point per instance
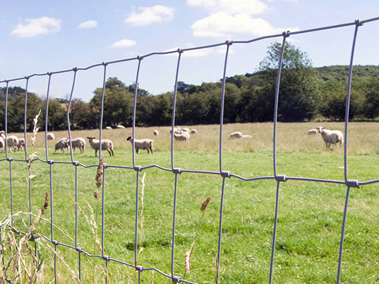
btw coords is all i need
(35, 128)
(141, 214)
(187, 255)
(99, 173)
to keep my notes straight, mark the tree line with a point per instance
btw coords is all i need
(306, 94)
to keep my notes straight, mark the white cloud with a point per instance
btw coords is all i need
(88, 24)
(229, 17)
(251, 7)
(123, 43)
(223, 24)
(149, 15)
(36, 27)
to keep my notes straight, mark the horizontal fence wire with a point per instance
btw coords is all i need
(279, 178)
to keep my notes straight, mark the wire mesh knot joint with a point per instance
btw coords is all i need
(106, 258)
(138, 168)
(78, 249)
(105, 166)
(358, 22)
(286, 34)
(353, 183)
(9, 159)
(226, 174)
(176, 279)
(54, 242)
(281, 178)
(75, 163)
(50, 162)
(139, 268)
(229, 42)
(177, 171)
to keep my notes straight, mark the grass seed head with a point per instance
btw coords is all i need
(46, 204)
(35, 128)
(205, 204)
(99, 173)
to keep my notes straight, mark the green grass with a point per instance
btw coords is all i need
(310, 213)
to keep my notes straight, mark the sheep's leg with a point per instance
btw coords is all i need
(112, 152)
(151, 149)
(137, 150)
(95, 153)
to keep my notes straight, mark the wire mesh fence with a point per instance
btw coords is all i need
(224, 175)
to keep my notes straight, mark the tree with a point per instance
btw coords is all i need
(298, 88)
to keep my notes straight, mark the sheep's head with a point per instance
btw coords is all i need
(90, 139)
(127, 139)
(320, 129)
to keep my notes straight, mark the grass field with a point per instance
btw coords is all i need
(310, 213)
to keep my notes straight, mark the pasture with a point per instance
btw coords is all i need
(310, 213)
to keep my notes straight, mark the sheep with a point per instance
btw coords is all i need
(2, 143)
(312, 132)
(12, 140)
(238, 135)
(182, 137)
(146, 144)
(186, 130)
(108, 128)
(50, 136)
(120, 126)
(156, 132)
(193, 131)
(79, 143)
(61, 144)
(330, 136)
(177, 130)
(106, 144)
(21, 144)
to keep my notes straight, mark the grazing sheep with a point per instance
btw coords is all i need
(21, 144)
(182, 137)
(61, 145)
(331, 136)
(186, 130)
(193, 131)
(108, 128)
(238, 135)
(79, 143)
(312, 132)
(120, 127)
(156, 132)
(177, 130)
(50, 136)
(2, 143)
(106, 144)
(12, 140)
(145, 144)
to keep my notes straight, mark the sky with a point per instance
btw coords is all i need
(43, 36)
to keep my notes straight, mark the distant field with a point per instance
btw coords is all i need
(310, 214)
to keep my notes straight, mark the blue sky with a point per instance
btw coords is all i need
(42, 36)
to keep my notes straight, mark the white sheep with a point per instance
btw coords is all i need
(79, 143)
(120, 126)
(21, 144)
(61, 145)
(156, 132)
(182, 137)
(312, 132)
(330, 136)
(238, 135)
(106, 144)
(177, 130)
(50, 136)
(186, 130)
(193, 131)
(145, 144)
(12, 140)
(108, 128)
(2, 143)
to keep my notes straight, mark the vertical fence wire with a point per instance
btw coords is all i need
(174, 108)
(134, 112)
(138, 169)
